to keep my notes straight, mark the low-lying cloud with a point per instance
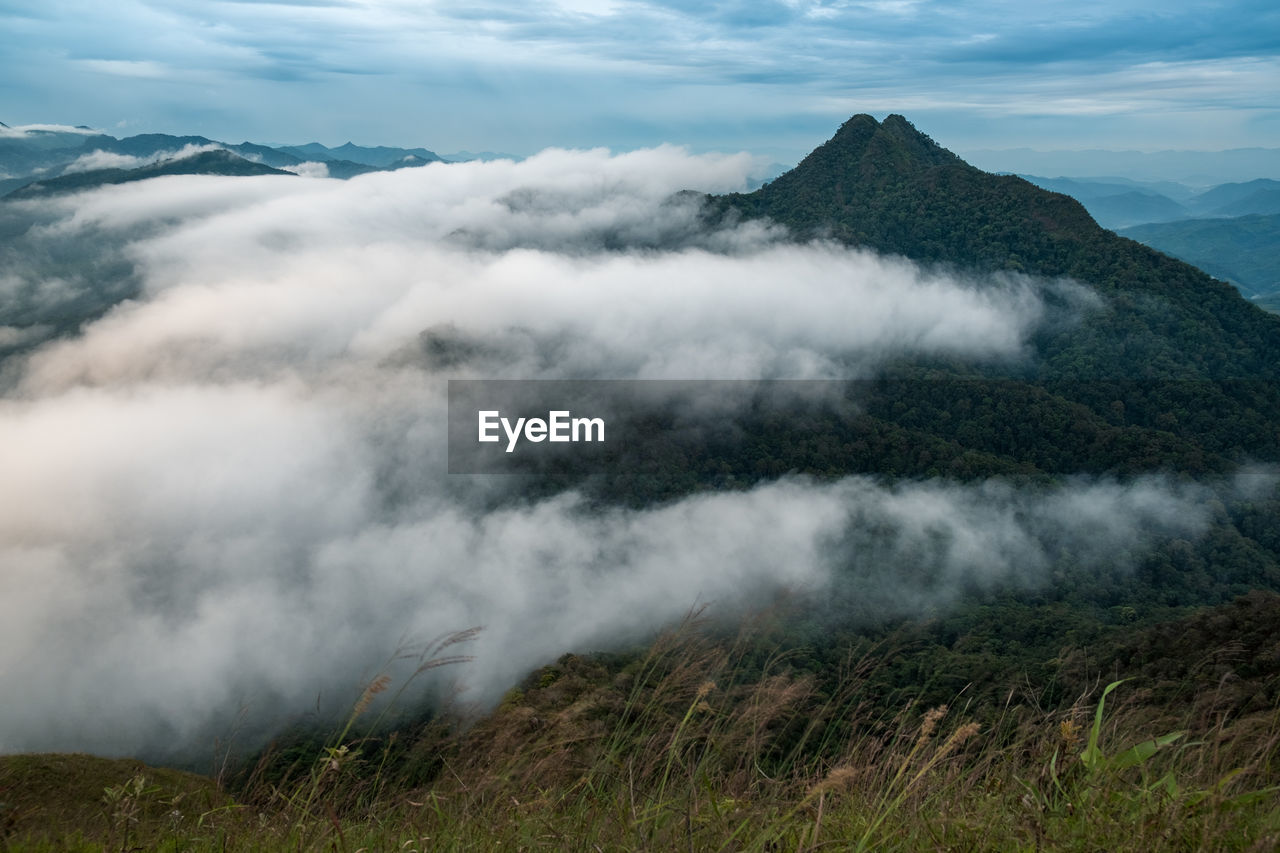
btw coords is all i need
(99, 159)
(231, 487)
(309, 169)
(26, 130)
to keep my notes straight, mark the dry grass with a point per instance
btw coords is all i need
(695, 747)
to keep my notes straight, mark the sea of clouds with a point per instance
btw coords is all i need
(228, 492)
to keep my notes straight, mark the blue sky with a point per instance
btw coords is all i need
(772, 77)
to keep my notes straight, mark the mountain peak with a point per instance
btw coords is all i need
(895, 143)
(886, 185)
(866, 152)
(857, 126)
(851, 172)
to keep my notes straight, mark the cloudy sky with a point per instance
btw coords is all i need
(771, 77)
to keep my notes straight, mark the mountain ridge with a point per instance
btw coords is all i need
(216, 162)
(1167, 352)
(1240, 249)
(36, 157)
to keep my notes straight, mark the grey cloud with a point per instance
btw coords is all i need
(671, 63)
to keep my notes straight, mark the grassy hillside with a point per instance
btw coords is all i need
(714, 741)
(82, 802)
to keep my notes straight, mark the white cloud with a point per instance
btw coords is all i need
(232, 487)
(322, 271)
(309, 169)
(99, 159)
(26, 130)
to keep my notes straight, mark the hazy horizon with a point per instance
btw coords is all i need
(1194, 167)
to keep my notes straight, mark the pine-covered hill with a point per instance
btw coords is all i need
(889, 187)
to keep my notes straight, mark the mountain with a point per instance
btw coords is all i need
(889, 187)
(1087, 189)
(145, 144)
(1218, 230)
(1244, 250)
(39, 156)
(379, 157)
(1240, 199)
(36, 150)
(1170, 189)
(1132, 208)
(267, 156)
(1261, 202)
(1115, 203)
(483, 156)
(1171, 368)
(313, 151)
(217, 162)
(49, 139)
(1196, 168)
(1120, 203)
(152, 144)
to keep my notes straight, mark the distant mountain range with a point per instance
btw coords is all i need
(1244, 250)
(1228, 229)
(483, 156)
(379, 157)
(1120, 202)
(1195, 168)
(48, 161)
(216, 162)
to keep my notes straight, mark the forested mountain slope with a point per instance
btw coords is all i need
(1168, 368)
(889, 187)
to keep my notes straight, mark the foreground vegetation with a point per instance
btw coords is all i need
(704, 742)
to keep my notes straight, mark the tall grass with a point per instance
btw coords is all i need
(699, 744)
